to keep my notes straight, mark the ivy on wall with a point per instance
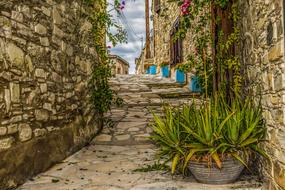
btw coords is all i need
(102, 96)
(214, 28)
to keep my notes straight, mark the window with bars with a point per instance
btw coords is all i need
(156, 6)
(176, 54)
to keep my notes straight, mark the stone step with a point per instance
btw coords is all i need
(165, 85)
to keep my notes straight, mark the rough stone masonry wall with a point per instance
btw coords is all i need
(45, 60)
(263, 53)
(163, 22)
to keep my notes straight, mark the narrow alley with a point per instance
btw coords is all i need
(114, 159)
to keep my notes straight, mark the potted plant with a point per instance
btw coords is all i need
(194, 85)
(147, 71)
(179, 73)
(153, 69)
(164, 66)
(214, 141)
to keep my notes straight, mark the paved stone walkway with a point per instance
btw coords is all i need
(109, 163)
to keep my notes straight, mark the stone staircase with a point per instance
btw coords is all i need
(142, 95)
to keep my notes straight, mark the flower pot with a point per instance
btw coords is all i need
(147, 71)
(153, 70)
(165, 71)
(230, 172)
(194, 84)
(180, 76)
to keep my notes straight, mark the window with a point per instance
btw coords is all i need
(156, 6)
(176, 53)
(119, 70)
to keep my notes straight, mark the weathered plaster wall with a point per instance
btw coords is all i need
(45, 60)
(263, 54)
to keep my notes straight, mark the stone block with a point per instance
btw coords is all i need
(3, 131)
(281, 137)
(16, 119)
(279, 174)
(40, 132)
(7, 98)
(278, 81)
(57, 19)
(42, 115)
(15, 92)
(43, 87)
(6, 143)
(47, 106)
(40, 73)
(25, 132)
(40, 29)
(275, 53)
(104, 138)
(12, 129)
(57, 32)
(123, 137)
(18, 16)
(16, 55)
(44, 41)
(46, 11)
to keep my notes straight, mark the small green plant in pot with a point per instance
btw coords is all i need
(216, 139)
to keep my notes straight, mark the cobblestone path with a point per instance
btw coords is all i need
(109, 163)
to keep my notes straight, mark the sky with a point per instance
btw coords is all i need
(133, 20)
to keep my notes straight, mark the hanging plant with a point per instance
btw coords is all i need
(102, 97)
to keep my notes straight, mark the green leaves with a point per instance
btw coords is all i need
(212, 131)
(101, 96)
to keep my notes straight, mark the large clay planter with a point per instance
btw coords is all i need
(229, 173)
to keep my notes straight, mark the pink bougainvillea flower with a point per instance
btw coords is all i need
(184, 7)
(196, 51)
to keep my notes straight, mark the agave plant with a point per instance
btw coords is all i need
(204, 127)
(168, 135)
(245, 130)
(211, 132)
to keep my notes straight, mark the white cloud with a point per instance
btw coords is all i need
(134, 23)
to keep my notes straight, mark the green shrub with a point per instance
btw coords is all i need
(210, 132)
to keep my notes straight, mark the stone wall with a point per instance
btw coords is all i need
(263, 54)
(163, 22)
(45, 60)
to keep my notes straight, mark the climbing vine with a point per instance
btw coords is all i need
(102, 96)
(214, 57)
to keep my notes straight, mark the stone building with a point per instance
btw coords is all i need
(121, 66)
(165, 26)
(46, 54)
(142, 63)
(262, 55)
